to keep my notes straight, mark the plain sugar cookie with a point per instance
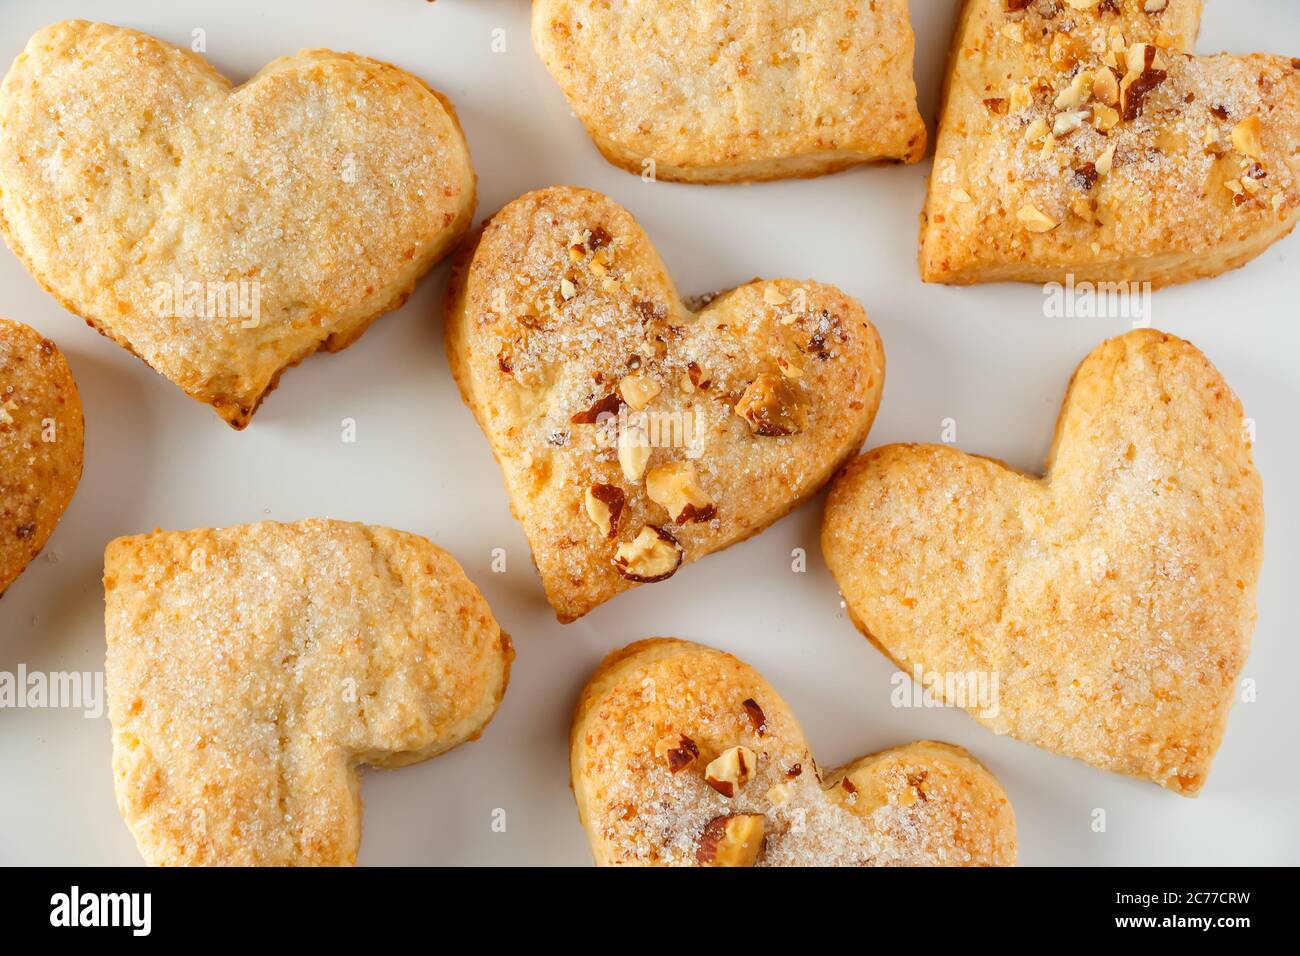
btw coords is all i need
(739, 91)
(1113, 599)
(252, 670)
(221, 233)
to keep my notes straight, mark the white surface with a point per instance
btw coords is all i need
(986, 357)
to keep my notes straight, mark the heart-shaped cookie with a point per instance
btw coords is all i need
(1078, 138)
(224, 234)
(251, 670)
(683, 755)
(740, 91)
(1112, 600)
(635, 434)
(41, 435)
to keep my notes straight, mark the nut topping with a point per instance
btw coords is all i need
(1077, 93)
(1246, 138)
(1142, 77)
(1104, 118)
(676, 487)
(731, 770)
(633, 451)
(653, 555)
(1105, 87)
(732, 840)
(608, 405)
(639, 390)
(1106, 161)
(679, 751)
(1035, 220)
(756, 716)
(1067, 123)
(604, 504)
(771, 406)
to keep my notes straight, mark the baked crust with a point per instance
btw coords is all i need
(252, 669)
(41, 439)
(560, 301)
(1114, 599)
(1182, 199)
(143, 192)
(925, 804)
(736, 92)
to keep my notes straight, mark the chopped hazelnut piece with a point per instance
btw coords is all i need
(1155, 6)
(1141, 78)
(1037, 131)
(604, 504)
(567, 290)
(1104, 118)
(676, 487)
(1015, 32)
(633, 452)
(772, 296)
(1246, 138)
(699, 378)
(653, 555)
(772, 407)
(1067, 123)
(731, 770)
(1105, 87)
(1082, 4)
(732, 840)
(788, 366)
(1106, 161)
(639, 389)
(755, 714)
(1077, 93)
(599, 411)
(679, 751)
(1035, 220)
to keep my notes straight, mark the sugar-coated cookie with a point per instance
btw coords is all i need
(1113, 600)
(681, 755)
(739, 91)
(1080, 137)
(636, 434)
(252, 669)
(41, 436)
(224, 234)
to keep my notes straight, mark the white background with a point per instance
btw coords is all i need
(986, 357)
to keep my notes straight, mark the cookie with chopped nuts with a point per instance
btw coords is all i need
(681, 755)
(1113, 598)
(224, 234)
(1081, 138)
(41, 437)
(636, 434)
(251, 670)
(735, 92)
